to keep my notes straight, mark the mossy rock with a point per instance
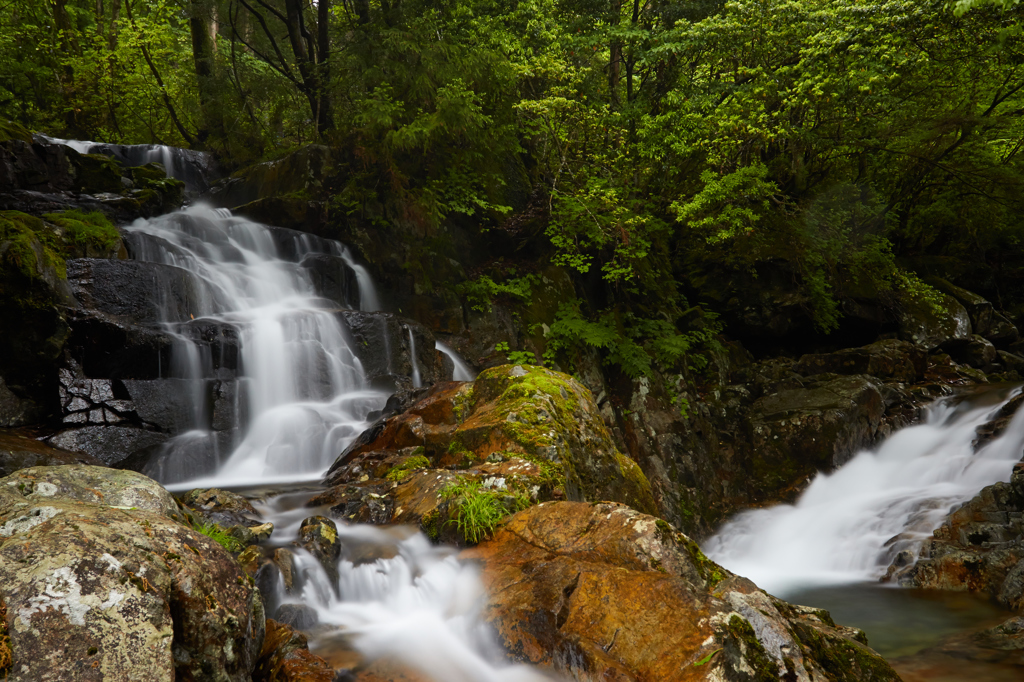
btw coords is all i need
(86, 234)
(549, 415)
(9, 130)
(96, 173)
(150, 172)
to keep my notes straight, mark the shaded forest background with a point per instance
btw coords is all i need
(676, 156)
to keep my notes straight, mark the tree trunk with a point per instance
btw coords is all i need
(200, 22)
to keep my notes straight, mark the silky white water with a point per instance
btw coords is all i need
(462, 370)
(847, 526)
(307, 398)
(304, 389)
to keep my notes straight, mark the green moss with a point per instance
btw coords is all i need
(632, 472)
(85, 230)
(843, 660)
(97, 173)
(708, 569)
(30, 246)
(9, 130)
(407, 466)
(431, 524)
(764, 666)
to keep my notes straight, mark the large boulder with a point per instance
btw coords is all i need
(605, 592)
(930, 321)
(517, 435)
(100, 582)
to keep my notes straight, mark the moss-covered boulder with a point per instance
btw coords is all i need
(604, 592)
(96, 173)
(11, 130)
(100, 582)
(465, 455)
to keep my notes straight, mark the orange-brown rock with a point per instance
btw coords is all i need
(285, 657)
(602, 592)
(528, 432)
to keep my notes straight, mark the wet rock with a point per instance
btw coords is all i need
(297, 616)
(985, 320)
(929, 322)
(382, 344)
(889, 358)
(110, 444)
(975, 351)
(285, 657)
(102, 584)
(333, 278)
(319, 536)
(815, 428)
(18, 451)
(978, 548)
(576, 588)
(216, 499)
(126, 288)
(292, 212)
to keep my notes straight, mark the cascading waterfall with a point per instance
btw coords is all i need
(304, 389)
(306, 396)
(847, 526)
(191, 167)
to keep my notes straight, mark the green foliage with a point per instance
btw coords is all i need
(220, 535)
(515, 357)
(632, 342)
(481, 292)
(478, 510)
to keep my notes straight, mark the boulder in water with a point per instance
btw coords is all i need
(606, 592)
(285, 657)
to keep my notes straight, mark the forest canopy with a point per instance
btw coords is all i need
(671, 146)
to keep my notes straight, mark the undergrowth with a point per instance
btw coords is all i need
(220, 535)
(479, 510)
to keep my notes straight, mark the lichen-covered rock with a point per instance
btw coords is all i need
(319, 535)
(101, 583)
(605, 592)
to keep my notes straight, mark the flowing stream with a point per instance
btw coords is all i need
(830, 548)
(303, 395)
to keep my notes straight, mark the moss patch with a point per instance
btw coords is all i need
(764, 667)
(86, 230)
(710, 571)
(29, 245)
(407, 466)
(9, 130)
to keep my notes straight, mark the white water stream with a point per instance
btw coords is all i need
(306, 396)
(847, 526)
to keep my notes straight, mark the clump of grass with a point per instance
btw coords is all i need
(478, 510)
(220, 535)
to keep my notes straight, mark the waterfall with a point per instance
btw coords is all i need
(191, 167)
(417, 381)
(304, 388)
(848, 525)
(462, 370)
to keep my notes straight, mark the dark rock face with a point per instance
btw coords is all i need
(929, 324)
(301, 171)
(555, 566)
(382, 344)
(20, 451)
(101, 583)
